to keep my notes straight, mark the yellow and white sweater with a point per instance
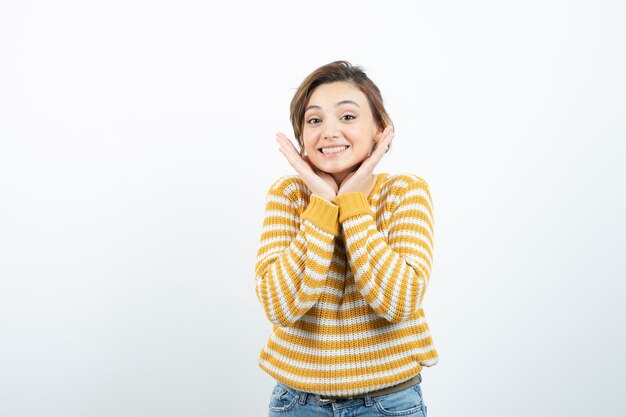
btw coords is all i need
(343, 285)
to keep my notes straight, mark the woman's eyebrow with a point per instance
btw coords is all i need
(314, 106)
(347, 102)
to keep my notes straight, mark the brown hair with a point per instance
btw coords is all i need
(329, 73)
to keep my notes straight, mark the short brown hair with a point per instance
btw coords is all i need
(333, 72)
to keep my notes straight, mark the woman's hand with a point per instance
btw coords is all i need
(361, 179)
(320, 183)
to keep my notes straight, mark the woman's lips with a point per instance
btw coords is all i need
(336, 153)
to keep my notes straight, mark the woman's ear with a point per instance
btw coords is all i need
(379, 134)
(375, 141)
(377, 137)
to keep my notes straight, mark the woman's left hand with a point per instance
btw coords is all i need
(361, 179)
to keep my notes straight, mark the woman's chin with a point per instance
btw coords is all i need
(336, 168)
(335, 172)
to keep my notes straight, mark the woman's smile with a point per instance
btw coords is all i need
(334, 151)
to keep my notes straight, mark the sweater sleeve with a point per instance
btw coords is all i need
(295, 253)
(391, 273)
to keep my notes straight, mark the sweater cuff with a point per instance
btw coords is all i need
(323, 214)
(352, 204)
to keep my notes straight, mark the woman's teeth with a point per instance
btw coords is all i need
(337, 149)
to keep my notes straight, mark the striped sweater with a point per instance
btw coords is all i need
(343, 285)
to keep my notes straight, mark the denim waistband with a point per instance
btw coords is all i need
(308, 397)
(365, 398)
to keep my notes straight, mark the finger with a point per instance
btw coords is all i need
(370, 163)
(384, 143)
(288, 152)
(285, 142)
(287, 148)
(381, 137)
(388, 132)
(301, 166)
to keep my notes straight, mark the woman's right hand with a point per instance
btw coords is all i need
(320, 183)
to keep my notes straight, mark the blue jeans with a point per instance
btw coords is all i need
(289, 402)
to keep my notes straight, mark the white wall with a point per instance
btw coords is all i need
(137, 144)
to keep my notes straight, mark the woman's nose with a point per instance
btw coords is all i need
(330, 131)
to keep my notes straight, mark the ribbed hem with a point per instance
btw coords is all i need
(323, 214)
(352, 204)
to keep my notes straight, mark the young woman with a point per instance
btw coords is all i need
(344, 260)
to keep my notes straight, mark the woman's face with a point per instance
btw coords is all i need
(339, 129)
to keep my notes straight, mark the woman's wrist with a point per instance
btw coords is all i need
(327, 197)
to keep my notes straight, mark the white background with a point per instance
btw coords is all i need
(137, 145)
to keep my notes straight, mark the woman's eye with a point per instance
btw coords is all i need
(349, 117)
(313, 120)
